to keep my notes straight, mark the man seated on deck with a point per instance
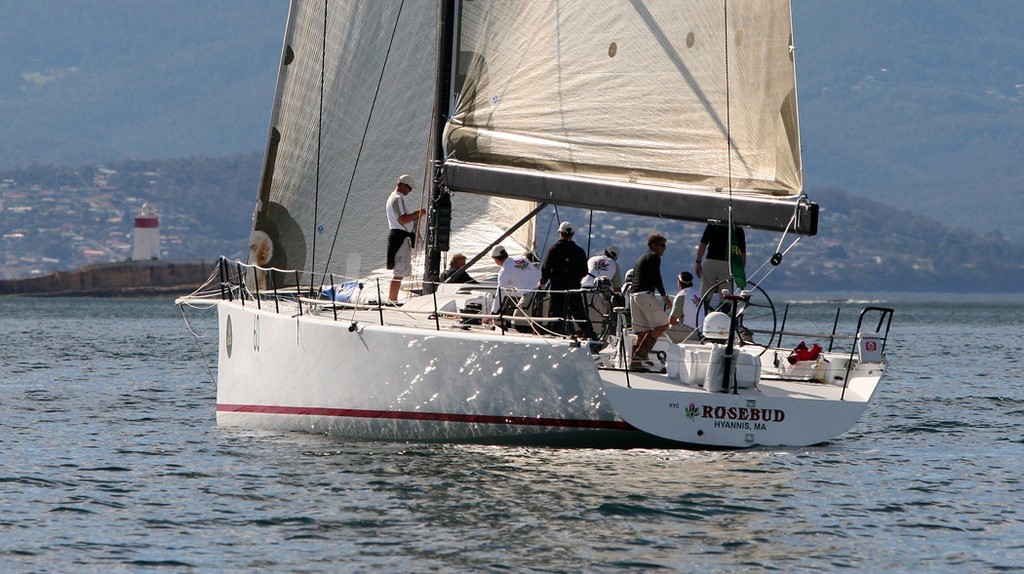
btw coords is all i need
(686, 315)
(517, 276)
(456, 272)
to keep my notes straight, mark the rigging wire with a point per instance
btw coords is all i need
(366, 129)
(199, 347)
(728, 139)
(553, 221)
(590, 231)
(319, 146)
(777, 257)
(427, 176)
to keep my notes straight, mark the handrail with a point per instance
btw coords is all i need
(368, 307)
(808, 334)
(885, 314)
(380, 304)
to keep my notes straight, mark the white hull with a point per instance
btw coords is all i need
(412, 380)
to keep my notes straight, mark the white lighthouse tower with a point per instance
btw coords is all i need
(147, 235)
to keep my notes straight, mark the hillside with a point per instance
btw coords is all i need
(916, 104)
(58, 218)
(861, 246)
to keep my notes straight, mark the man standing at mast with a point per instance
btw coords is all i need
(401, 226)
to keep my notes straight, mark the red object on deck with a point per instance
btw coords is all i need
(802, 353)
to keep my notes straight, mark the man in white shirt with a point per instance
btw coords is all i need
(517, 276)
(686, 315)
(401, 226)
(604, 266)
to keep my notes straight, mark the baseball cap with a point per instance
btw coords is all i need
(407, 180)
(566, 228)
(498, 251)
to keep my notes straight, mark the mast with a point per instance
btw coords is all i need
(439, 215)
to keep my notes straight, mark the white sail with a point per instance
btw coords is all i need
(660, 97)
(354, 110)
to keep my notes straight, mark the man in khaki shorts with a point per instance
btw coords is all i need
(647, 310)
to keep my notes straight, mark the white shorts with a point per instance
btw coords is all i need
(403, 260)
(647, 311)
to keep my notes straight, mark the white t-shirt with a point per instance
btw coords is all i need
(395, 208)
(684, 307)
(602, 266)
(517, 275)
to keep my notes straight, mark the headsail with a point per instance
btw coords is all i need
(631, 107)
(338, 138)
(354, 109)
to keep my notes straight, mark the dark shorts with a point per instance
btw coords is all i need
(395, 239)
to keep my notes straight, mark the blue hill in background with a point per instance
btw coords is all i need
(915, 104)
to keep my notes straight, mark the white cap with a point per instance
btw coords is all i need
(612, 251)
(407, 180)
(498, 251)
(566, 228)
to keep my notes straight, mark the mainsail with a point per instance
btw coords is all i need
(654, 107)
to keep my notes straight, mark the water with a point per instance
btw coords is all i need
(110, 459)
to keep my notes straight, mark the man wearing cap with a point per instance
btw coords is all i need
(603, 267)
(686, 315)
(565, 265)
(516, 276)
(401, 225)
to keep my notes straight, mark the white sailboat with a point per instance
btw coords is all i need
(681, 110)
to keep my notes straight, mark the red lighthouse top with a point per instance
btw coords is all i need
(147, 218)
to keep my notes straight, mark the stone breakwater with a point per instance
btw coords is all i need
(130, 278)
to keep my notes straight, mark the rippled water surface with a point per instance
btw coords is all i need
(110, 460)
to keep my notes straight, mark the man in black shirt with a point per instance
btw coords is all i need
(565, 265)
(715, 243)
(648, 312)
(456, 272)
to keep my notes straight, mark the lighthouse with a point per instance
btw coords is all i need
(147, 235)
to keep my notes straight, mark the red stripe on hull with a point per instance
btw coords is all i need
(417, 416)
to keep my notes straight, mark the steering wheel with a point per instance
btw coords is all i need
(756, 314)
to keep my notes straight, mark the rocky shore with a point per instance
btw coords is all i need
(125, 279)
